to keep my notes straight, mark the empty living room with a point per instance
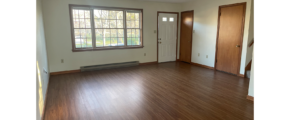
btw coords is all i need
(145, 60)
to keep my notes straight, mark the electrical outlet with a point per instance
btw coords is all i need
(206, 56)
(198, 54)
(144, 54)
(62, 61)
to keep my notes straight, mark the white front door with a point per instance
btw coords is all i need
(167, 27)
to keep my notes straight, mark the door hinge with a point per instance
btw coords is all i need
(216, 61)
(220, 14)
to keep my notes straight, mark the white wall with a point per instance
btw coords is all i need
(251, 86)
(41, 61)
(205, 26)
(58, 35)
(251, 35)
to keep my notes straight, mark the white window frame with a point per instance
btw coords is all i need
(92, 8)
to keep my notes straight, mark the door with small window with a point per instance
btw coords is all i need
(167, 37)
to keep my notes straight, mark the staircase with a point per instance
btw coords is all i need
(248, 67)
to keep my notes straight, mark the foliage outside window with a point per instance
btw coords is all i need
(98, 28)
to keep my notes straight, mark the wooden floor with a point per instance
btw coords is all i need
(166, 91)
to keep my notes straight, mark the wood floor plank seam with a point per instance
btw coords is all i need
(173, 90)
(161, 86)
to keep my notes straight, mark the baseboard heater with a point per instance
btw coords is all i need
(109, 66)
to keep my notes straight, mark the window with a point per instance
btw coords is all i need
(164, 19)
(171, 19)
(99, 28)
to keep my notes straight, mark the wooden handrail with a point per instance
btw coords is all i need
(251, 43)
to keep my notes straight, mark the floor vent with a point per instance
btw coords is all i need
(109, 66)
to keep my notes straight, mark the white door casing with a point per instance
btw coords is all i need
(167, 27)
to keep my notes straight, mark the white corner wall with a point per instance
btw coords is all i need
(205, 26)
(41, 62)
(251, 86)
(251, 35)
(58, 35)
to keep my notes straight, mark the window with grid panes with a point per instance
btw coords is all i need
(95, 28)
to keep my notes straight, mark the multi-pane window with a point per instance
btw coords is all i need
(82, 28)
(109, 28)
(105, 28)
(133, 27)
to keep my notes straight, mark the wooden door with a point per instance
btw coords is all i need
(186, 36)
(230, 37)
(167, 28)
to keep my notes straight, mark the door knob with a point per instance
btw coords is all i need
(237, 45)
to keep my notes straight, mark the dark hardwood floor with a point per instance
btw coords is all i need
(166, 91)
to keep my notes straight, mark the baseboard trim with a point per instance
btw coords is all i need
(148, 63)
(65, 72)
(43, 111)
(250, 98)
(200, 65)
(241, 75)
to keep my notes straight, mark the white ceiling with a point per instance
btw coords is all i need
(172, 1)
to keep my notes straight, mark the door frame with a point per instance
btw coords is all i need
(176, 31)
(191, 33)
(242, 33)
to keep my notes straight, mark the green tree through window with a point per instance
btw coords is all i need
(104, 28)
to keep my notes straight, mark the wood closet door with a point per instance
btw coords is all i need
(186, 36)
(230, 35)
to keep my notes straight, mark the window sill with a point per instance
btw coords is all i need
(105, 48)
